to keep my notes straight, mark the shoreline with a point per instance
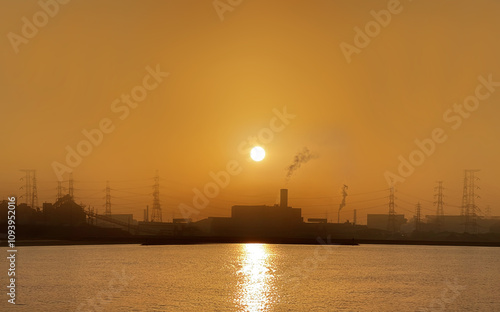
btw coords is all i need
(151, 241)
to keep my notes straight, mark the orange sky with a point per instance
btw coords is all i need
(226, 78)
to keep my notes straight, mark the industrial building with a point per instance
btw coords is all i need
(122, 221)
(64, 212)
(271, 220)
(456, 223)
(276, 221)
(381, 221)
(256, 220)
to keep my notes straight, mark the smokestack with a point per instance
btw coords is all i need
(284, 198)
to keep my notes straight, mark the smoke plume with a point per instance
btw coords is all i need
(299, 159)
(344, 194)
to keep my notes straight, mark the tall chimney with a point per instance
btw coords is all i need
(284, 198)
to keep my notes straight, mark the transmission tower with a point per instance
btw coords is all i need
(59, 190)
(487, 213)
(464, 195)
(70, 185)
(418, 218)
(108, 200)
(439, 206)
(469, 201)
(156, 215)
(34, 193)
(391, 222)
(30, 188)
(27, 187)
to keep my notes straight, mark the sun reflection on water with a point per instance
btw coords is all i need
(255, 288)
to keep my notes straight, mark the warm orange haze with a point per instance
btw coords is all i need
(226, 80)
(276, 122)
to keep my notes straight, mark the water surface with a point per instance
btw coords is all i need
(257, 277)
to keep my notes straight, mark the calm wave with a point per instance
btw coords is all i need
(257, 277)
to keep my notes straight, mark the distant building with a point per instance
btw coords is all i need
(64, 212)
(267, 220)
(457, 223)
(217, 226)
(122, 221)
(24, 214)
(495, 228)
(381, 221)
(317, 220)
(256, 220)
(156, 228)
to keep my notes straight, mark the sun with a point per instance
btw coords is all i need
(257, 153)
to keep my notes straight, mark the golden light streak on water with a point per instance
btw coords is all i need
(255, 289)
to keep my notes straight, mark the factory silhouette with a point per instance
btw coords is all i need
(279, 223)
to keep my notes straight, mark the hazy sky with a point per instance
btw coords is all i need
(226, 77)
